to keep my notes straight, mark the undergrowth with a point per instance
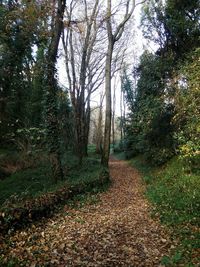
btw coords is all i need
(31, 193)
(175, 193)
(34, 181)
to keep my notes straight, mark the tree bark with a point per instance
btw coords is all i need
(112, 39)
(78, 86)
(51, 103)
(99, 134)
(113, 114)
(107, 129)
(87, 126)
(121, 115)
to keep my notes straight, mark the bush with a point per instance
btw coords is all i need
(158, 156)
(29, 139)
(118, 147)
(187, 116)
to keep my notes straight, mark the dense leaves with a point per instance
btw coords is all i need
(187, 116)
(19, 33)
(149, 130)
(164, 114)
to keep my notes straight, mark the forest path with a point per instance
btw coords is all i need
(117, 231)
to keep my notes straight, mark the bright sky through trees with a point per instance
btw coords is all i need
(135, 49)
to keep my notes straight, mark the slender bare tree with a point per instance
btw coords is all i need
(84, 63)
(99, 126)
(114, 34)
(113, 112)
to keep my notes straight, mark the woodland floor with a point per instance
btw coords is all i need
(116, 231)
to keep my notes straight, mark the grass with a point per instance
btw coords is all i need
(175, 193)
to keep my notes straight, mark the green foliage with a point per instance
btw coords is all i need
(25, 182)
(66, 121)
(13, 161)
(149, 128)
(164, 103)
(173, 25)
(187, 117)
(37, 93)
(30, 193)
(118, 146)
(33, 178)
(175, 194)
(25, 81)
(29, 140)
(92, 150)
(19, 33)
(172, 261)
(11, 263)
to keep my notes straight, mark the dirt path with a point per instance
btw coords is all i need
(117, 231)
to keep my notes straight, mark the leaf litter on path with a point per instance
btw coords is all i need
(116, 231)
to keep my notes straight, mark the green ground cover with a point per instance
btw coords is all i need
(174, 191)
(35, 181)
(30, 193)
(175, 194)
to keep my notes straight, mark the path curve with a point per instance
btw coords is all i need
(117, 231)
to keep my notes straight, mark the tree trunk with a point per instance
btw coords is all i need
(99, 136)
(113, 115)
(79, 131)
(52, 120)
(112, 39)
(107, 129)
(124, 117)
(121, 114)
(87, 126)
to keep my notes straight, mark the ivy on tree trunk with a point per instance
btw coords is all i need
(51, 101)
